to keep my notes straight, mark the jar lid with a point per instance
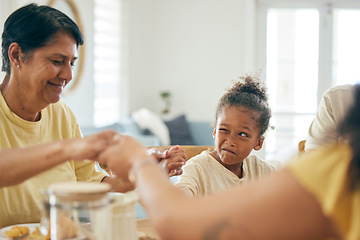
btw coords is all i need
(80, 191)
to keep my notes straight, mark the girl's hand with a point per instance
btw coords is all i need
(170, 159)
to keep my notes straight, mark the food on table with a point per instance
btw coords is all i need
(144, 236)
(17, 231)
(37, 235)
(67, 228)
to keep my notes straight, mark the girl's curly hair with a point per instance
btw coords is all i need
(248, 92)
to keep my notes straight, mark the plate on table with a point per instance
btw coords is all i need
(32, 228)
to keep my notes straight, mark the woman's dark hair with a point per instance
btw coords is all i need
(33, 26)
(349, 129)
(250, 93)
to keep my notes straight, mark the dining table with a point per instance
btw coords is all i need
(146, 229)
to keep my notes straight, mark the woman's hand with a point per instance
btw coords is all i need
(89, 147)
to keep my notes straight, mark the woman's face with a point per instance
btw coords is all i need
(48, 70)
(236, 134)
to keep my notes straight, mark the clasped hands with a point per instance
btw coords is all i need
(120, 152)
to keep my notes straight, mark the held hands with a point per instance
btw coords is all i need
(126, 152)
(106, 146)
(89, 147)
(121, 156)
(170, 159)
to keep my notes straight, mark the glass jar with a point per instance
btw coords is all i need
(77, 210)
(87, 210)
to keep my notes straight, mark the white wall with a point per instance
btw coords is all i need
(193, 48)
(81, 101)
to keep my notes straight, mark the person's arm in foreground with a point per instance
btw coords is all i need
(19, 164)
(276, 207)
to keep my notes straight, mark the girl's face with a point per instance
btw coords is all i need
(48, 70)
(236, 134)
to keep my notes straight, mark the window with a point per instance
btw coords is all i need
(107, 65)
(346, 47)
(309, 46)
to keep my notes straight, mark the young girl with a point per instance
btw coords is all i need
(242, 118)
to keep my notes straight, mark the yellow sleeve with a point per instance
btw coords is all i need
(325, 174)
(87, 171)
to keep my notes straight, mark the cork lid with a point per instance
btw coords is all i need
(79, 191)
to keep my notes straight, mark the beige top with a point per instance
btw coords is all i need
(203, 174)
(331, 111)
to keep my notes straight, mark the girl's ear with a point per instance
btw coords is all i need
(259, 143)
(214, 132)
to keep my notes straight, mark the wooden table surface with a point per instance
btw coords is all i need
(144, 225)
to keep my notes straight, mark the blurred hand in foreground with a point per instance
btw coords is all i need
(122, 155)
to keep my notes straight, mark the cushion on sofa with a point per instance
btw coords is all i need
(180, 131)
(146, 119)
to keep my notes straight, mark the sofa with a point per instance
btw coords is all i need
(182, 131)
(125, 126)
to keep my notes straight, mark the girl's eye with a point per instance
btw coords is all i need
(242, 134)
(223, 130)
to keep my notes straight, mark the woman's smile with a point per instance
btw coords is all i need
(57, 84)
(57, 87)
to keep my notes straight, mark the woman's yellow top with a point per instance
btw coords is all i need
(326, 175)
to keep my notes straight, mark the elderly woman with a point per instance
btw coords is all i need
(39, 48)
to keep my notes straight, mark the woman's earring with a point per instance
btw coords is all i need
(18, 66)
